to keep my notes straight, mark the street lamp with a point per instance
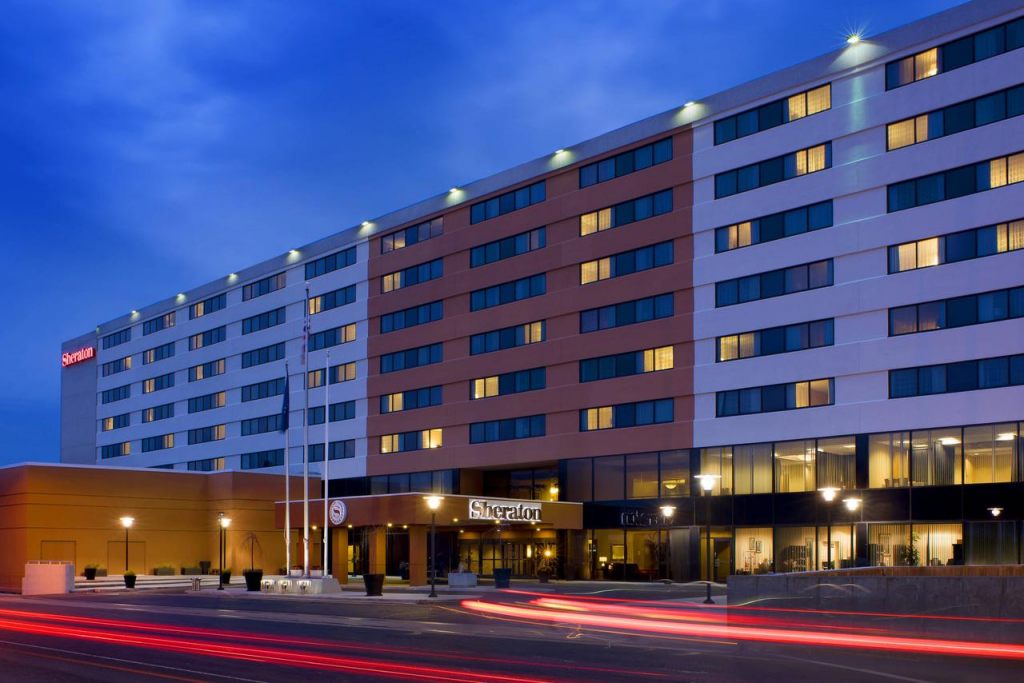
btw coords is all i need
(667, 512)
(707, 484)
(829, 493)
(433, 502)
(224, 523)
(996, 511)
(126, 522)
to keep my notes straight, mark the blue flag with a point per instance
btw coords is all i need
(284, 403)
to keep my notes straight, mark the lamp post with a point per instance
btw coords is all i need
(667, 512)
(126, 522)
(433, 502)
(829, 494)
(707, 484)
(224, 523)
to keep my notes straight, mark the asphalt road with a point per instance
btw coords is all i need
(558, 633)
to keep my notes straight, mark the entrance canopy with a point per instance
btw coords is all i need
(411, 508)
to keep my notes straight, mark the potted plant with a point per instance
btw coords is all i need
(546, 569)
(129, 579)
(90, 572)
(225, 577)
(253, 579)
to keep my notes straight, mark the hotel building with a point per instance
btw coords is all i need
(812, 281)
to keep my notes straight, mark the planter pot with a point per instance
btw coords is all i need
(129, 580)
(163, 571)
(374, 584)
(502, 578)
(253, 580)
(544, 577)
(225, 577)
(204, 566)
(90, 573)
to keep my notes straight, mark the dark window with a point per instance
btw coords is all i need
(626, 163)
(330, 263)
(508, 202)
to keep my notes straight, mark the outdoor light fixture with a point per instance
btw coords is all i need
(126, 522)
(365, 224)
(829, 493)
(851, 503)
(553, 492)
(559, 151)
(689, 104)
(224, 522)
(853, 39)
(707, 485)
(433, 503)
(667, 511)
(996, 511)
(453, 190)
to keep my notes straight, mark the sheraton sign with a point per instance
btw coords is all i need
(82, 354)
(504, 511)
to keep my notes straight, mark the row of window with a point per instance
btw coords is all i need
(263, 425)
(774, 283)
(115, 366)
(626, 364)
(158, 353)
(773, 340)
(946, 378)
(411, 358)
(774, 226)
(972, 309)
(208, 306)
(411, 441)
(775, 397)
(158, 323)
(206, 370)
(207, 465)
(264, 321)
(626, 212)
(332, 300)
(206, 434)
(330, 263)
(775, 170)
(343, 372)
(207, 338)
(956, 182)
(626, 313)
(774, 114)
(260, 459)
(198, 404)
(412, 235)
(507, 429)
(413, 275)
(508, 247)
(626, 263)
(263, 355)
(157, 443)
(507, 292)
(342, 410)
(337, 450)
(508, 338)
(332, 337)
(117, 338)
(955, 54)
(410, 400)
(115, 422)
(156, 413)
(260, 390)
(624, 415)
(158, 383)
(956, 118)
(625, 163)
(508, 383)
(264, 286)
(410, 317)
(957, 246)
(508, 202)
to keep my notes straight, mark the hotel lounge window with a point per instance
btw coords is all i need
(889, 460)
(752, 468)
(642, 475)
(795, 549)
(794, 466)
(837, 463)
(936, 457)
(718, 461)
(990, 454)
(674, 468)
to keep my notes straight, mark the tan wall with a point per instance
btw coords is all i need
(72, 513)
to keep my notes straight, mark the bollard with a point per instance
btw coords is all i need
(197, 583)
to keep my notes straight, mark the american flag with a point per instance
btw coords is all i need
(305, 330)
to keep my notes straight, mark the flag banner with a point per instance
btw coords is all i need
(285, 403)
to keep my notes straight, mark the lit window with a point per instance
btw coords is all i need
(391, 282)
(901, 134)
(599, 418)
(728, 348)
(927, 253)
(908, 256)
(315, 305)
(797, 106)
(1011, 236)
(802, 395)
(658, 359)
(168, 440)
(1015, 163)
(218, 432)
(820, 392)
(108, 424)
(588, 272)
(815, 158)
(346, 372)
(926, 64)
(348, 333)
(394, 402)
(534, 332)
(997, 172)
(431, 438)
(588, 224)
(485, 387)
(746, 344)
(389, 443)
(819, 99)
(314, 379)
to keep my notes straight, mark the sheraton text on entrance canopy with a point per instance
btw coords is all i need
(518, 512)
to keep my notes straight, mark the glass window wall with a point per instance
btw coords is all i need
(794, 466)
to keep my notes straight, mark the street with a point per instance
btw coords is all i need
(555, 632)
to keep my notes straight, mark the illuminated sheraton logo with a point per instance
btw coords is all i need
(504, 511)
(82, 354)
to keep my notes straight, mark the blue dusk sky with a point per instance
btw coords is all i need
(149, 147)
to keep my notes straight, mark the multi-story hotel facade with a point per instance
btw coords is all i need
(811, 281)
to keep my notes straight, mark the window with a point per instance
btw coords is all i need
(332, 337)
(986, 373)
(957, 246)
(206, 434)
(955, 54)
(626, 313)
(837, 463)
(627, 162)
(254, 392)
(206, 370)
(264, 286)
(794, 466)
(889, 460)
(207, 465)
(260, 356)
(207, 306)
(936, 457)
(956, 182)
(508, 247)
(718, 461)
(342, 410)
(208, 338)
(116, 450)
(158, 383)
(774, 114)
(410, 317)
(971, 309)
(785, 339)
(626, 263)
(263, 321)
(752, 468)
(116, 394)
(774, 283)
(411, 441)
(339, 450)
(413, 275)
(411, 358)
(331, 300)
(159, 323)
(507, 383)
(198, 404)
(625, 213)
(157, 443)
(508, 292)
(776, 397)
(262, 425)
(955, 118)
(775, 226)
(623, 415)
(117, 338)
(508, 202)
(990, 454)
(158, 353)
(156, 413)
(116, 422)
(412, 235)
(115, 366)
(410, 400)
(345, 372)
(507, 338)
(626, 364)
(328, 264)
(507, 430)
(771, 171)
(261, 459)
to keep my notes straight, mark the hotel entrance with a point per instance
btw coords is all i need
(523, 550)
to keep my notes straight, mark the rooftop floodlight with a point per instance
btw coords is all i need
(689, 104)
(853, 39)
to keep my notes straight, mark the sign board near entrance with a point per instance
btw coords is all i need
(504, 511)
(337, 512)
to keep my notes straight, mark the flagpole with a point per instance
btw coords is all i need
(287, 487)
(305, 449)
(327, 449)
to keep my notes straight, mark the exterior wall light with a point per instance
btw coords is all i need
(853, 39)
